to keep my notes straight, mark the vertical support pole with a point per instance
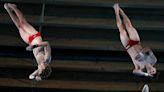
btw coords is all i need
(42, 16)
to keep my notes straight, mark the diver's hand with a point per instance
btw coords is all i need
(35, 76)
(141, 73)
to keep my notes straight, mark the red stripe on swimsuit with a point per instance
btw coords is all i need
(131, 43)
(32, 37)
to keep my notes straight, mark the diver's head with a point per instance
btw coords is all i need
(46, 72)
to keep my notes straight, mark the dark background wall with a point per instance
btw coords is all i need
(87, 53)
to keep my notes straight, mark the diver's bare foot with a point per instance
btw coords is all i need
(6, 6)
(116, 8)
(116, 5)
(12, 5)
